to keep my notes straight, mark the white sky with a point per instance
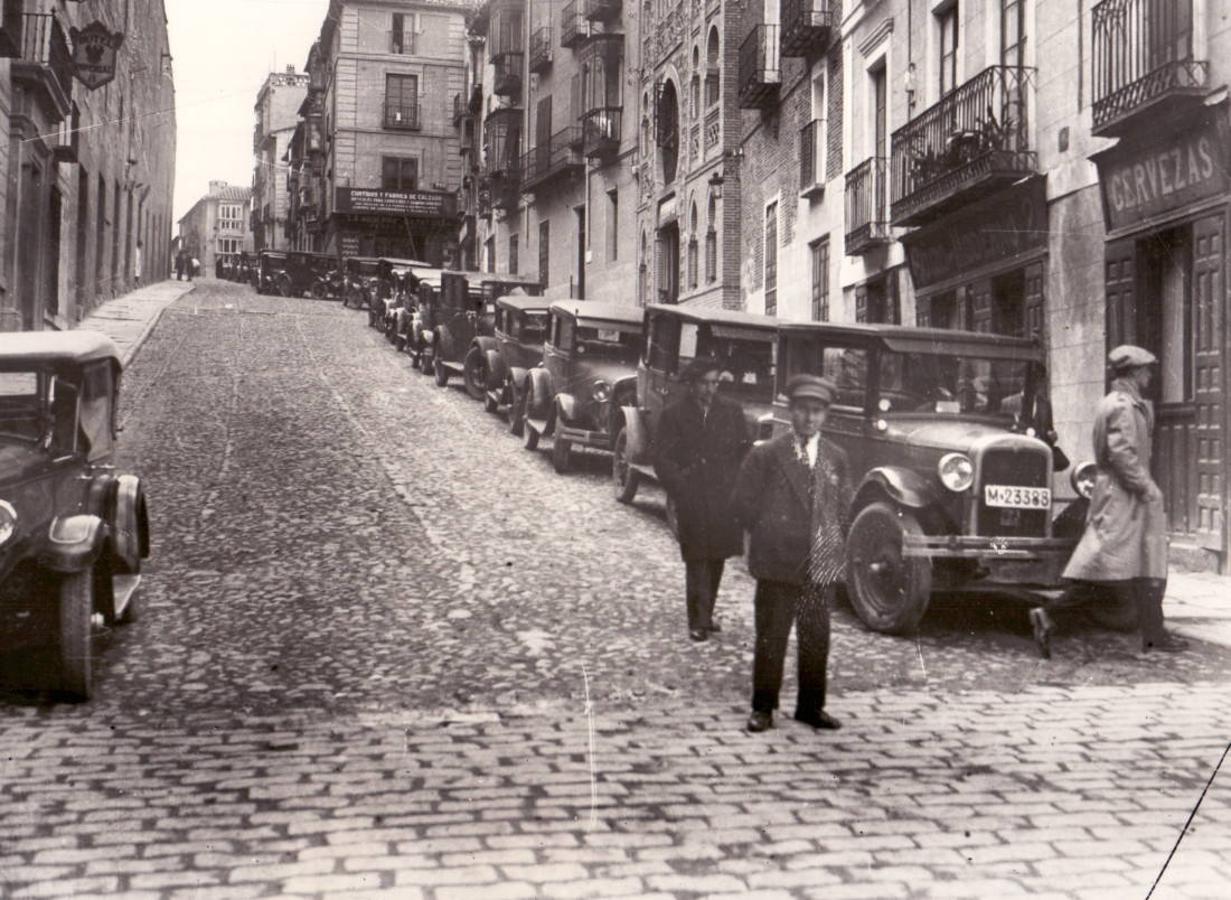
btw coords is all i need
(223, 50)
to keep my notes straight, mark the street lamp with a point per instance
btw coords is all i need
(715, 183)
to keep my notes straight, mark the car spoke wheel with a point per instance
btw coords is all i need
(626, 478)
(476, 373)
(76, 608)
(561, 453)
(890, 591)
(517, 415)
(284, 287)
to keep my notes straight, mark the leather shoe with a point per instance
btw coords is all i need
(715, 627)
(699, 634)
(1168, 643)
(819, 719)
(760, 721)
(1042, 626)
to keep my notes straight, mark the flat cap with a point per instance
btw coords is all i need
(810, 387)
(1130, 356)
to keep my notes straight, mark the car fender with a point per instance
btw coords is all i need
(74, 543)
(637, 432)
(539, 398)
(496, 369)
(565, 407)
(903, 486)
(130, 523)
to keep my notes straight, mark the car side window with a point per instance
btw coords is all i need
(532, 328)
(64, 397)
(690, 334)
(663, 343)
(847, 368)
(566, 329)
(96, 418)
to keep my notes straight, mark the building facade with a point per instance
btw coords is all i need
(277, 116)
(217, 225)
(376, 169)
(85, 175)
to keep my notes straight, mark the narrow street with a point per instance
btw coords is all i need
(382, 646)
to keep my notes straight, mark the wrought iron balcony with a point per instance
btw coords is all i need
(402, 43)
(540, 49)
(805, 26)
(574, 26)
(812, 158)
(1143, 60)
(973, 142)
(600, 131)
(760, 69)
(557, 157)
(506, 81)
(502, 143)
(600, 10)
(867, 206)
(402, 116)
(46, 62)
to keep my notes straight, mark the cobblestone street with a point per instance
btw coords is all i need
(382, 647)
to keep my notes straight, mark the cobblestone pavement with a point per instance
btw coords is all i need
(383, 648)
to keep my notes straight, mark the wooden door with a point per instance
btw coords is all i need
(1120, 272)
(1208, 308)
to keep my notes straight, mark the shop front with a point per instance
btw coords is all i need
(982, 267)
(1165, 200)
(419, 225)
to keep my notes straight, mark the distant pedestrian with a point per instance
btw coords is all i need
(194, 267)
(794, 496)
(1124, 547)
(179, 266)
(137, 265)
(701, 440)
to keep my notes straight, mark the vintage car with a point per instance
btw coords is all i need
(301, 271)
(953, 490)
(329, 284)
(270, 266)
(73, 530)
(466, 310)
(420, 324)
(359, 279)
(397, 284)
(515, 347)
(244, 268)
(744, 343)
(588, 373)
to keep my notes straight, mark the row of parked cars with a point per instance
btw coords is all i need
(954, 469)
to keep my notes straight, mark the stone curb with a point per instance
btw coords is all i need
(153, 320)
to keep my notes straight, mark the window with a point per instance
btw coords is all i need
(771, 259)
(402, 38)
(97, 417)
(563, 330)
(711, 242)
(544, 251)
(692, 247)
(613, 225)
(946, 19)
(399, 173)
(878, 300)
(513, 254)
(402, 101)
(820, 279)
(490, 252)
(711, 69)
(228, 245)
(230, 216)
(1013, 32)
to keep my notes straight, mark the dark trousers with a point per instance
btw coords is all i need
(701, 580)
(780, 605)
(1145, 595)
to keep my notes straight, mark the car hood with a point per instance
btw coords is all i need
(957, 434)
(17, 461)
(610, 372)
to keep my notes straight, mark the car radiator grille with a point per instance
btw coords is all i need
(1023, 467)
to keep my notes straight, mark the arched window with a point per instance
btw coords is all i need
(694, 85)
(711, 242)
(667, 114)
(643, 271)
(711, 69)
(692, 245)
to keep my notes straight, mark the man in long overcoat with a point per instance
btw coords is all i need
(700, 443)
(794, 495)
(1124, 546)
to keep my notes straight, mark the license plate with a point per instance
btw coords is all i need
(1004, 496)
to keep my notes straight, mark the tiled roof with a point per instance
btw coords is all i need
(234, 193)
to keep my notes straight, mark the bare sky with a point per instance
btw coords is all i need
(223, 50)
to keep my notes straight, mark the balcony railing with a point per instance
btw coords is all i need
(1142, 54)
(46, 59)
(600, 131)
(506, 81)
(760, 70)
(713, 130)
(971, 143)
(812, 158)
(402, 116)
(600, 10)
(540, 49)
(574, 26)
(402, 43)
(556, 157)
(867, 205)
(806, 26)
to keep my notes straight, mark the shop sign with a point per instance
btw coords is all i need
(350, 245)
(417, 204)
(1141, 180)
(95, 49)
(996, 229)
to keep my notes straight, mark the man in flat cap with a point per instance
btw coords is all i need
(1124, 547)
(698, 447)
(794, 496)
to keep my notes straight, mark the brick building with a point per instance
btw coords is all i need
(217, 225)
(277, 115)
(85, 175)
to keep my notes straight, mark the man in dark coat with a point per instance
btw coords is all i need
(700, 443)
(793, 494)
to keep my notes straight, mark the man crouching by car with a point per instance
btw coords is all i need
(794, 495)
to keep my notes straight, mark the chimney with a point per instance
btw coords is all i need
(290, 70)
(216, 186)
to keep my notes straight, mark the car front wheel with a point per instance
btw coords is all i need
(517, 415)
(76, 608)
(890, 591)
(626, 478)
(561, 453)
(441, 373)
(284, 287)
(529, 436)
(476, 373)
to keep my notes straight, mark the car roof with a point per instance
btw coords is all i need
(523, 301)
(716, 314)
(50, 347)
(404, 263)
(273, 253)
(906, 339)
(608, 312)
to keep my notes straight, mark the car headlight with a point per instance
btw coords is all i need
(601, 392)
(956, 471)
(8, 521)
(1082, 478)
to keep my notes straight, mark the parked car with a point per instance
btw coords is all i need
(73, 531)
(515, 347)
(953, 490)
(744, 343)
(360, 276)
(301, 271)
(245, 269)
(396, 284)
(271, 264)
(329, 284)
(589, 371)
(421, 325)
(467, 310)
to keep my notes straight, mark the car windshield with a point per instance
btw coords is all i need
(532, 328)
(620, 344)
(21, 410)
(746, 354)
(951, 385)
